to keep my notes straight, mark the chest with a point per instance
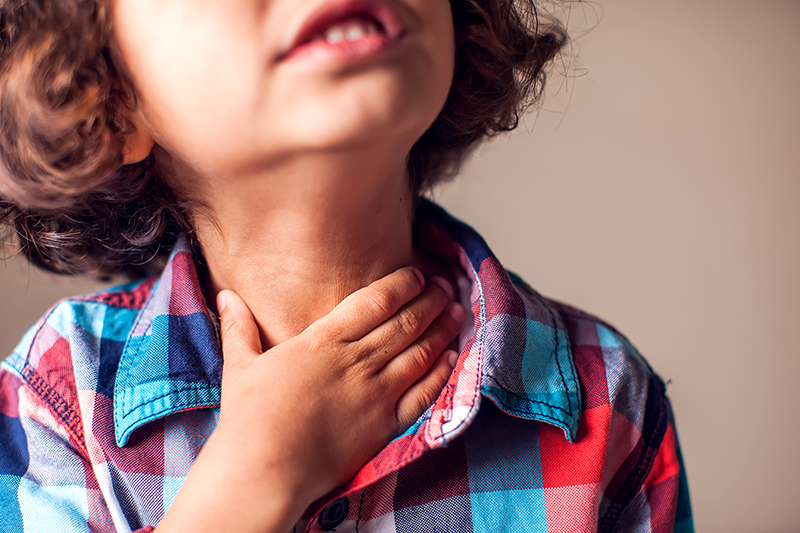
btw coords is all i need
(494, 477)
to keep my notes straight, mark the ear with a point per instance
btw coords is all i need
(138, 143)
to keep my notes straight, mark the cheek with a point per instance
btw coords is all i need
(441, 43)
(197, 74)
(210, 99)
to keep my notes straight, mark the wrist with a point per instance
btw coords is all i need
(226, 490)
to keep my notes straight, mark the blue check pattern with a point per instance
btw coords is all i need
(551, 422)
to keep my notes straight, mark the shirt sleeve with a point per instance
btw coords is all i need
(661, 503)
(47, 482)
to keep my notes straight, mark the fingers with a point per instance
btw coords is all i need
(410, 364)
(240, 339)
(424, 392)
(362, 311)
(409, 323)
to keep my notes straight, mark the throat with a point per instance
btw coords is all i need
(296, 239)
(294, 271)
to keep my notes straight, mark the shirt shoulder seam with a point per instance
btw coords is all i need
(575, 314)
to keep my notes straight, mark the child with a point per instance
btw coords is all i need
(373, 367)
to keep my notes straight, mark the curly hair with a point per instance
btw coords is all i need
(73, 208)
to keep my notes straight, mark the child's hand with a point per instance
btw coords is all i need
(300, 419)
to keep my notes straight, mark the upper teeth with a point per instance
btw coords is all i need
(349, 30)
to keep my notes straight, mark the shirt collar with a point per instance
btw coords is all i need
(172, 359)
(516, 352)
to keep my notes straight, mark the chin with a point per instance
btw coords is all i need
(361, 133)
(363, 110)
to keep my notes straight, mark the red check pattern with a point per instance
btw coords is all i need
(551, 420)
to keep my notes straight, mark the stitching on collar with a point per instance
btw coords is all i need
(121, 386)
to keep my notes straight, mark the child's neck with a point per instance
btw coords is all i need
(294, 245)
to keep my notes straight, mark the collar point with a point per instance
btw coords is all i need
(158, 401)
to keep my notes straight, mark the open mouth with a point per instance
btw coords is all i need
(345, 29)
(352, 29)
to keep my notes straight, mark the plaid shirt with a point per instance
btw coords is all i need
(551, 420)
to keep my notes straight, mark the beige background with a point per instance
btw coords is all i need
(660, 189)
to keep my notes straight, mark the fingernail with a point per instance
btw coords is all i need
(452, 357)
(421, 277)
(445, 285)
(221, 302)
(457, 312)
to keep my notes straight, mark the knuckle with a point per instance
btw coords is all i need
(323, 338)
(419, 358)
(409, 321)
(317, 343)
(230, 330)
(381, 303)
(427, 397)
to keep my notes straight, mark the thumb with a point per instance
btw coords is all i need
(240, 339)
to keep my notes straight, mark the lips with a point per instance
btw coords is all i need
(381, 12)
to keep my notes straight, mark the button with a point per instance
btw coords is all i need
(334, 514)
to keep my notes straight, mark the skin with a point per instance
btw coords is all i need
(372, 365)
(307, 216)
(301, 164)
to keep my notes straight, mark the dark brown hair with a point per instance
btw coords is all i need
(73, 208)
